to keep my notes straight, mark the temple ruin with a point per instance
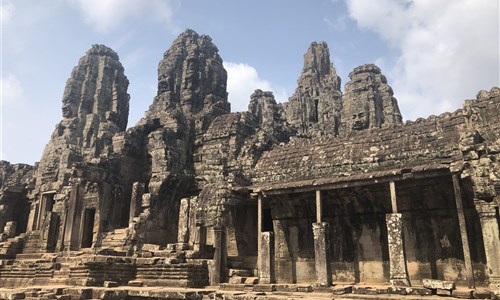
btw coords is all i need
(330, 189)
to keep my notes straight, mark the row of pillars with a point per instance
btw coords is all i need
(398, 272)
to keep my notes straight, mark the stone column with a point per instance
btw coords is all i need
(463, 231)
(72, 223)
(321, 254)
(397, 260)
(183, 224)
(319, 207)
(259, 231)
(201, 240)
(136, 200)
(489, 227)
(32, 216)
(266, 270)
(219, 257)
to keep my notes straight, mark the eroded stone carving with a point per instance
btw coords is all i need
(368, 101)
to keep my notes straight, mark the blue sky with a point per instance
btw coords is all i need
(435, 53)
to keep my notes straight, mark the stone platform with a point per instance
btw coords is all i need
(272, 291)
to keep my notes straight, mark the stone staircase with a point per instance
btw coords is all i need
(171, 267)
(241, 270)
(242, 276)
(113, 242)
(28, 269)
(94, 270)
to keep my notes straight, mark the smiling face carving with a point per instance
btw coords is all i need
(360, 120)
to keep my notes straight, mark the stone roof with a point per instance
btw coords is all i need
(426, 144)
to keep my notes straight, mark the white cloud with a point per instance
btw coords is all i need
(106, 15)
(242, 81)
(6, 11)
(449, 50)
(12, 91)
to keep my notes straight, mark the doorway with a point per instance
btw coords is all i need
(88, 228)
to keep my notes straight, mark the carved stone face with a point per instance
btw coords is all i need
(360, 120)
(68, 109)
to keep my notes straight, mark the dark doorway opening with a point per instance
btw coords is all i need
(267, 220)
(48, 200)
(88, 227)
(316, 115)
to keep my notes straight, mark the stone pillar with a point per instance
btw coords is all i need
(394, 203)
(201, 240)
(259, 232)
(219, 264)
(183, 227)
(321, 254)
(266, 270)
(72, 223)
(319, 207)
(32, 216)
(489, 227)
(397, 261)
(463, 231)
(136, 200)
(398, 273)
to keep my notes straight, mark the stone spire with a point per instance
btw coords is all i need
(368, 101)
(314, 108)
(191, 82)
(95, 106)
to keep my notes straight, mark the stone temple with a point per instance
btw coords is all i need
(329, 192)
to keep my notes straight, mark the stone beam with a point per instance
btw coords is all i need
(313, 184)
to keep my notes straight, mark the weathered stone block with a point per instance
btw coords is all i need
(264, 288)
(481, 293)
(438, 284)
(10, 229)
(442, 292)
(304, 288)
(340, 290)
(463, 293)
(110, 284)
(136, 283)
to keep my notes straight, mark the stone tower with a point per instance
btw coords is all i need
(95, 107)
(314, 108)
(368, 101)
(191, 82)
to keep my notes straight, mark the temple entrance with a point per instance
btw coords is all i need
(46, 205)
(88, 228)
